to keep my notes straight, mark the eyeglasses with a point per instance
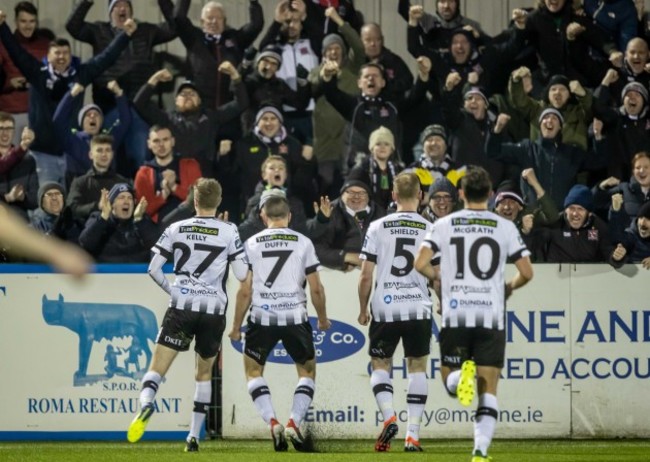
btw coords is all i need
(53, 194)
(356, 193)
(7, 129)
(441, 199)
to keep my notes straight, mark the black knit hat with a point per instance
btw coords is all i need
(117, 189)
(45, 187)
(580, 195)
(433, 130)
(357, 183)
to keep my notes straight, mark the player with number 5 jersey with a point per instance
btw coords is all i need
(401, 308)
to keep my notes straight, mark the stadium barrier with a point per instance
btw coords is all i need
(578, 359)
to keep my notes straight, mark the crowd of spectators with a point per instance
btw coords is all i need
(554, 107)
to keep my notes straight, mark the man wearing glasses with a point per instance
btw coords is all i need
(352, 212)
(443, 197)
(18, 180)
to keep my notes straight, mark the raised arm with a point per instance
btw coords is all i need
(78, 27)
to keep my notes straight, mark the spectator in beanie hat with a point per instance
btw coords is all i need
(380, 169)
(556, 164)
(579, 236)
(435, 157)
(120, 232)
(52, 217)
(264, 87)
(568, 97)
(443, 200)
(621, 133)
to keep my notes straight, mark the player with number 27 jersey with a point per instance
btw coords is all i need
(401, 293)
(202, 249)
(471, 272)
(283, 259)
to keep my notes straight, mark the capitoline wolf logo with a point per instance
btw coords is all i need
(113, 322)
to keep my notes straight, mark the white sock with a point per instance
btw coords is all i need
(302, 398)
(382, 387)
(261, 395)
(416, 398)
(485, 423)
(452, 381)
(150, 383)
(202, 393)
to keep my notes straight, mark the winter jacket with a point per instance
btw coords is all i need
(133, 67)
(344, 234)
(250, 153)
(195, 132)
(329, 124)
(638, 248)
(437, 31)
(467, 136)
(366, 114)
(86, 190)
(380, 182)
(577, 114)
(76, 142)
(623, 135)
(589, 244)
(205, 55)
(22, 173)
(147, 185)
(546, 32)
(46, 92)
(616, 18)
(119, 241)
(556, 164)
(15, 101)
(633, 199)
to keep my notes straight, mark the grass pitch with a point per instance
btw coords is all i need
(329, 450)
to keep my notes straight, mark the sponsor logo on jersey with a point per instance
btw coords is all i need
(186, 291)
(404, 224)
(277, 237)
(400, 285)
(199, 230)
(388, 299)
(339, 342)
(470, 289)
(465, 221)
(453, 303)
(276, 295)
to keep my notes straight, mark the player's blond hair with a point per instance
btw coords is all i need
(406, 186)
(207, 192)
